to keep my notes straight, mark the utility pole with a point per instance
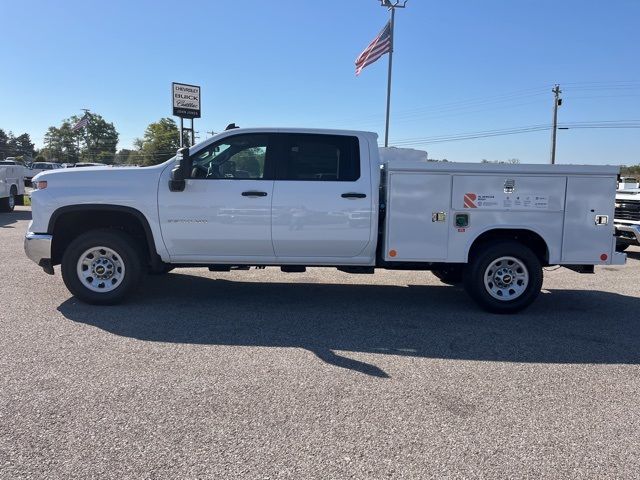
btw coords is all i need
(210, 132)
(391, 5)
(557, 101)
(86, 112)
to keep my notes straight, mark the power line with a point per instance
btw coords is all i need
(621, 124)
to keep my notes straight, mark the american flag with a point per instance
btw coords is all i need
(81, 123)
(378, 47)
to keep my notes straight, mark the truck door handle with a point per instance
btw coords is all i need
(354, 195)
(254, 193)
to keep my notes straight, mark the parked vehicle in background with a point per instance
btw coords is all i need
(627, 216)
(628, 183)
(38, 167)
(25, 170)
(67, 165)
(89, 164)
(304, 197)
(11, 186)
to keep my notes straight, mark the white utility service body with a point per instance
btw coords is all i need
(306, 197)
(11, 186)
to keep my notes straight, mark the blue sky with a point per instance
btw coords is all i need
(460, 66)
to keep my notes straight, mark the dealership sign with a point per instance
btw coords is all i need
(186, 100)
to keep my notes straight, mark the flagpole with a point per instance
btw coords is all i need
(391, 5)
(386, 127)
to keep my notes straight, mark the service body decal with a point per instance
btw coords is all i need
(507, 201)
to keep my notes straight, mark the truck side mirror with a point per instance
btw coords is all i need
(181, 171)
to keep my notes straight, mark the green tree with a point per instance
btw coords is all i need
(99, 139)
(160, 142)
(122, 157)
(61, 143)
(632, 170)
(4, 144)
(96, 142)
(22, 145)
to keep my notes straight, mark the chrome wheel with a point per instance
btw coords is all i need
(506, 278)
(100, 269)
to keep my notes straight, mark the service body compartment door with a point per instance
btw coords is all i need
(586, 235)
(418, 220)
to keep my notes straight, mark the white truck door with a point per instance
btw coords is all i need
(322, 197)
(224, 212)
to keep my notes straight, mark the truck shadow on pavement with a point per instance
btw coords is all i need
(563, 326)
(8, 219)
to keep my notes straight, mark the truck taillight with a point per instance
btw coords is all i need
(41, 185)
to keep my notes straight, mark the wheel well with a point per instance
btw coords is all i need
(526, 237)
(65, 226)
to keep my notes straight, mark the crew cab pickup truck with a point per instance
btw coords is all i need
(304, 197)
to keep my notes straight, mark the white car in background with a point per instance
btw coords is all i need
(39, 167)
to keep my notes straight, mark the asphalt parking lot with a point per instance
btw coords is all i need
(321, 374)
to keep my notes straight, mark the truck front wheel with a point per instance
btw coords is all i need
(504, 278)
(101, 267)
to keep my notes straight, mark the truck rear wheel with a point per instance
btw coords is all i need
(101, 267)
(504, 278)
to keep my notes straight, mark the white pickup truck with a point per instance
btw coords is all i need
(11, 185)
(304, 197)
(627, 216)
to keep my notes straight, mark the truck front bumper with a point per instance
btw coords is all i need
(629, 232)
(37, 246)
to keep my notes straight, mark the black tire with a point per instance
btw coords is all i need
(451, 275)
(7, 204)
(474, 277)
(127, 253)
(622, 246)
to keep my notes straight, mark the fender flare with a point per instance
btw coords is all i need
(153, 252)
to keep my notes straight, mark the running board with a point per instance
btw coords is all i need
(581, 268)
(357, 270)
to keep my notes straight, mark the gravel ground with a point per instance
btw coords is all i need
(321, 374)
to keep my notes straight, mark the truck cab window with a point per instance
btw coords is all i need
(315, 157)
(237, 157)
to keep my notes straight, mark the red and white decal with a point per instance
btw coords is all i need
(470, 200)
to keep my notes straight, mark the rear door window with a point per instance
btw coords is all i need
(318, 157)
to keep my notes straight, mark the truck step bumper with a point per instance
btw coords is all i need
(37, 246)
(619, 258)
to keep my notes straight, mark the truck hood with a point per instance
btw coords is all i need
(85, 176)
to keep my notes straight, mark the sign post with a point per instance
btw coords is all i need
(186, 104)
